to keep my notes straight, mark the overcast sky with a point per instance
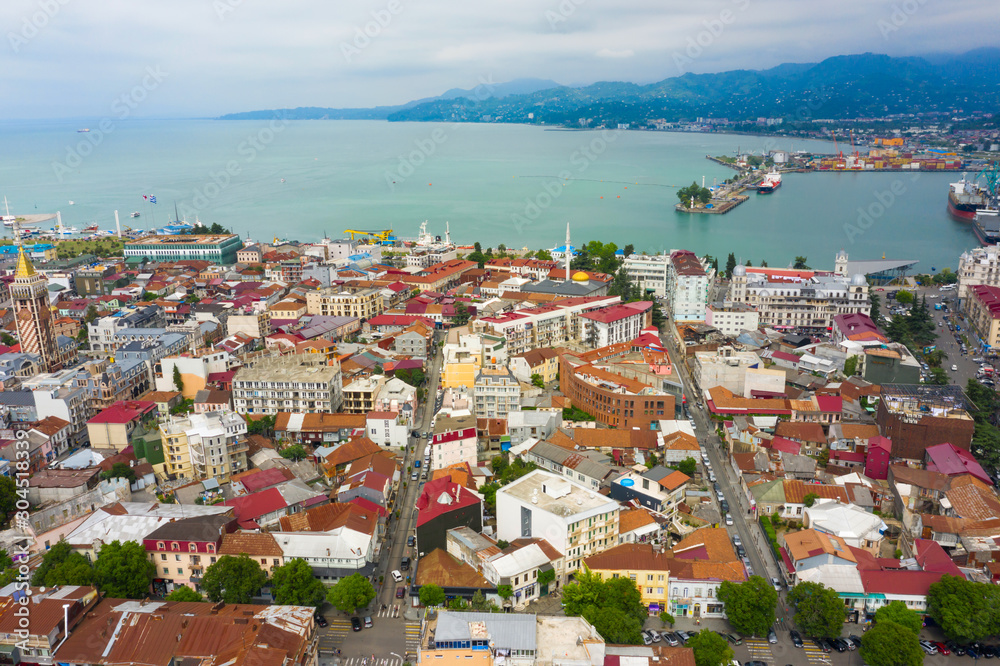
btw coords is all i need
(74, 58)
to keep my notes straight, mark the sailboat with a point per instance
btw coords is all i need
(8, 219)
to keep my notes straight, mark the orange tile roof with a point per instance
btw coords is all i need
(630, 557)
(633, 519)
(446, 571)
(674, 480)
(796, 491)
(351, 451)
(254, 544)
(330, 517)
(809, 543)
(860, 430)
(681, 441)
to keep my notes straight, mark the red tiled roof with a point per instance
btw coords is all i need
(989, 297)
(433, 503)
(251, 507)
(124, 412)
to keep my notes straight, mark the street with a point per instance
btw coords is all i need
(393, 638)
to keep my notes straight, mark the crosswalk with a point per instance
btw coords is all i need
(367, 661)
(760, 650)
(332, 637)
(815, 655)
(390, 611)
(412, 631)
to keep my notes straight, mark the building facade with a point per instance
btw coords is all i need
(649, 272)
(305, 383)
(689, 280)
(218, 249)
(30, 295)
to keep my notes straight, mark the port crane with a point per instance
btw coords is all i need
(991, 174)
(380, 235)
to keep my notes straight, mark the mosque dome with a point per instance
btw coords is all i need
(859, 280)
(580, 276)
(739, 271)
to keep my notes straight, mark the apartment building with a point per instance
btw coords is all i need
(306, 383)
(546, 325)
(619, 323)
(574, 519)
(454, 440)
(983, 308)
(183, 549)
(496, 392)
(338, 302)
(731, 319)
(649, 272)
(689, 280)
(207, 445)
(978, 266)
(787, 298)
(360, 396)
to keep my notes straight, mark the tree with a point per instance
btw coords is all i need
(810, 499)
(938, 377)
(537, 381)
(891, 644)
(687, 466)
(505, 592)
(90, 315)
(261, 425)
(119, 470)
(123, 570)
(431, 595)
(178, 382)
(8, 497)
(478, 602)
(700, 194)
(750, 605)
(904, 297)
(462, 314)
(710, 649)
(965, 610)
(629, 250)
(851, 366)
(293, 584)
(351, 593)
(730, 265)
(819, 610)
(875, 304)
(800, 264)
(658, 318)
(544, 577)
(294, 452)
(897, 612)
(234, 579)
(622, 285)
(8, 340)
(184, 593)
(458, 604)
(63, 566)
(614, 625)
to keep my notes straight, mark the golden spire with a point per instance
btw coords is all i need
(24, 267)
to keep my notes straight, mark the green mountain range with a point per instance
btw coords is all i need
(851, 86)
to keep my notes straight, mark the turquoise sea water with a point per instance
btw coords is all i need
(510, 184)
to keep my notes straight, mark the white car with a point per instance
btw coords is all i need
(396, 576)
(954, 368)
(729, 519)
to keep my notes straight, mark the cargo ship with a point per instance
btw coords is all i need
(771, 182)
(965, 198)
(986, 224)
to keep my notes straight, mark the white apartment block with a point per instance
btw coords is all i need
(496, 393)
(424, 257)
(798, 299)
(731, 319)
(575, 520)
(978, 266)
(547, 325)
(363, 303)
(216, 442)
(724, 367)
(619, 323)
(304, 383)
(689, 280)
(649, 272)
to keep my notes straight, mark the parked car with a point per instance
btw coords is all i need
(822, 645)
(735, 639)
(400, 592)
(396, 576)
(741, 551)
(928, 647)
(956, 648)
(670, 638)
(646, 640)
(356, 623)
(414, 476)
(729, 519)
(416, 463)
(796, 638)
(724, 505)
(320, 620)
(736, 540)
(368, 622)
(411, 541)
(971, 651)
(839, 645)
(655, 635)
(942, 648)
(855, 639)
(404, 564)
(776, 583)
(772, 637)
(754, 663)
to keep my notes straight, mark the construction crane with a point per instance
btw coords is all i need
(840, 155)
(380, 235)
(991, 174)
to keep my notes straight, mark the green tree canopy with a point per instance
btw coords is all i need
(800, 264)
(614, 625)
(234, 579)
(750, 605)
(119, 470)
(819, 610)
(431, 595)
(351, 593)
(184, 593)
(123, 570)
(293, 584)
(730, 264)
(897, 612)
(178, 380)
(700, 194)
(537, 381)
(710, 649)
(904, 297)
(462, 314)
(965, 610)
(891, 644)
(590, 590)
(63, 566)
(8, 497)
(688, 466)
(294, 452)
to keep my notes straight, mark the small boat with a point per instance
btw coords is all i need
(91, 228)
(71, 203)
(135, 214)
(85, 129)
(282, 180)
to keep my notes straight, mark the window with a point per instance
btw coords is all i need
(659, 591)
(159, 545)
(177, 558)
(163, 557)
(192, 547)
(649, 577)
(649, 590)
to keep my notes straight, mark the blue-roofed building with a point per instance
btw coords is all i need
(15, 366)
(559, 253)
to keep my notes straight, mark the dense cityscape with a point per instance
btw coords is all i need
(583, 444)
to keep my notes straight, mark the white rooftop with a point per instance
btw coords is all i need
(552, 493)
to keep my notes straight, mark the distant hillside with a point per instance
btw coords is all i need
(850, 86)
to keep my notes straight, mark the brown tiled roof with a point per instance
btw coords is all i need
(254, 544)
(860, 430)
(616, 438)
(974, 501)
(680, 441)
(633, 519)
(630, 557)
(674, 480)
(920, 477)
(441, 569)
(329, 517)
(50, 425)
(321, 422)
(796, 490)
(809, 543)
(546, 547)
(803, 432)
(715, 541)
(352, 450)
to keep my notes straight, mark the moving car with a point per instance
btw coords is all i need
(772, 637)
(796, 638)
(396, 576)
(776, 583)
(368, 622)
(356, 623)
(400, 592)
(414, 477)
(954, 368)
(320, 620)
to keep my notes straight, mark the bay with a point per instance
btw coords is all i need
(511, 184)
